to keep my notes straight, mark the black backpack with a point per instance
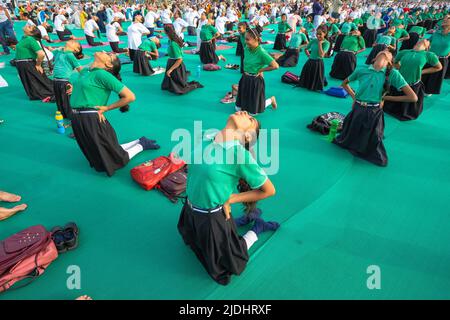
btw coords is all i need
(322, 123)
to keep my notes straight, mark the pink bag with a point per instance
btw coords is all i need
(25, 255)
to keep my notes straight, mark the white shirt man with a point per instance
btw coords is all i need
(179, 24)
(59, 22)
(135, 32)
(111, 31)
(150, 18)
(89, 27)
(231, 15)
(220, 24)
(262, 20)
(191, 18)
(166, 16)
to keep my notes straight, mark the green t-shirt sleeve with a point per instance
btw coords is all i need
(109, 82)
(251, 172)
(266, 58)
(432, 59)
(404, 33)
(303, 38)
(308, 47)
(361, 42)
(354, 76)
(213, 31)
(396, 80)
(399, 55)
(34, 45)
(177, 54)
(325, 46)
(152, 46)
(74, 62)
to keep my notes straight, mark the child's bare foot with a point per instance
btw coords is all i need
(221, 57)
(274, 103)
(7, 213)
(9, 197)
(84, 298)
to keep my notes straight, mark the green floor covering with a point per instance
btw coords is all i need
(338, 214)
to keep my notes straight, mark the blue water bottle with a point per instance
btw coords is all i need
(60, 123)
(199, 71)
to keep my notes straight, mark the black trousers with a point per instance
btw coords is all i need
(91, 41)
(115, 47)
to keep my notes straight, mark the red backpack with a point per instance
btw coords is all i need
(25, 255)
(150, 173)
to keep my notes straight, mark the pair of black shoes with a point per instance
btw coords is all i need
(65, 238)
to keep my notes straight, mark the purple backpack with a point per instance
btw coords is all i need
(174, 185)
(290, 78)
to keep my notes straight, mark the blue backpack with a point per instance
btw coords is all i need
(336, 92)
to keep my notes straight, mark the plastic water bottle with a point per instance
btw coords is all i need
(333, 130)
(60, 123)
(199, 71)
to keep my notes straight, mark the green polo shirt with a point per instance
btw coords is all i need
(400, 33)
(207, 32)
(440, 44)
(211, 181)
(308, 26)
(27, 48)
(255, 60)
(397, 21)
(386, 40)
(333, 29)
(419, 30)
(297, 40)
(353, 43)
(64, 64)
(283, 27)
(412, 62)
(148, 45)
(313, 48)
(348, 27)
(174, 51)
(358, 21)
(371, 82)
(92, 87)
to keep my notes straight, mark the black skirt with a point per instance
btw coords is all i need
(289, 58)
(433, 82)
(405, 111)
(215, 242)
(141, 64)
(411, 42)
(208, 53)
(428, 24)
(338, 43)
(280, 42)
(177, 83)
(369, 37)
(98, 142)
(62, 98)
(373, 53)
(362, 134)
(313, 75)
(239, 48)
(36, 85)
(447, 73)
(251, 95)
(343, 65)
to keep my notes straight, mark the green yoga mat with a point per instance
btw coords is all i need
(339, 215)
